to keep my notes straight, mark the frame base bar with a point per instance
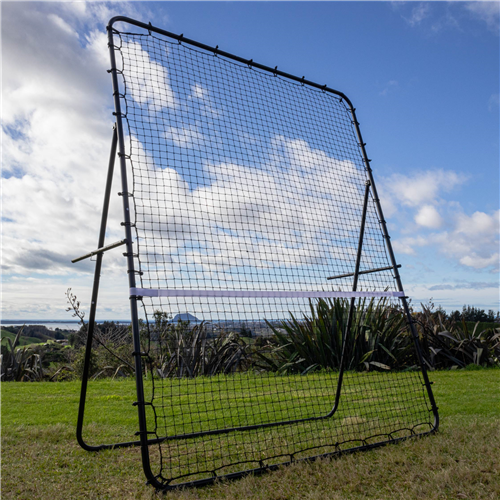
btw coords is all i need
(273, 467)
(160, 292)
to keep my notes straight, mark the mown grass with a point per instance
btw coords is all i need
(41, 459)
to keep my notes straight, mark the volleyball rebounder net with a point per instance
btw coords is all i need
(266, 301)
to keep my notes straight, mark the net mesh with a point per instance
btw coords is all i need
(246, 181)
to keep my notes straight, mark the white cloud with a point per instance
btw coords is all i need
(478, 224)
(429, 217)
(449, 15)
(473, 241)
(57, 130)
(259, 216)
(199, 92)
(48, 71)
(62, 24)
(207, 106)
(486, 11)
(464, 285)
(421, 187)
(185, 137)
(56, 138)
(452, 298)
(57, 119)
(391, 85)
(478, 262)
(419, 13)
(150, 85)
(36, 297)
(407, 245)
(493, 102)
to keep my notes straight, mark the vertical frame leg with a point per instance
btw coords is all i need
(134, 315)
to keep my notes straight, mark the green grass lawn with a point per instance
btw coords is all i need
(41, 459)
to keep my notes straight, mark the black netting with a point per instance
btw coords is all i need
(244, 181)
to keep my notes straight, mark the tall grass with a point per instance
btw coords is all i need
(379, 339)
(376, 340)
(184, 350)
(19, 364)
(453, 344)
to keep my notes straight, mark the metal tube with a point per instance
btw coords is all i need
(95, 292)
(353, 300)
(100, 250)
(397, 277)
(222, 53)
(388, 268)
(131, 271)
(272, 467)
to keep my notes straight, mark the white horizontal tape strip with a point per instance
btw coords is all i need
(162, 292)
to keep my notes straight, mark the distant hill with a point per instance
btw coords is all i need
(40, 332)
(23, 340)
(185, 317)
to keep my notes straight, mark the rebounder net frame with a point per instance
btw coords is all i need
(252, 207)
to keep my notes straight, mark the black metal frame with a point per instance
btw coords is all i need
(118, 142)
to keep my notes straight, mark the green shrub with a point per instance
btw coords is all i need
(179, 349)
(19, 364)
(449, 343)
(377, 338)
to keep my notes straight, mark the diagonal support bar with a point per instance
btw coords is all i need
(95, 292)
(397, 277)
(353, 299)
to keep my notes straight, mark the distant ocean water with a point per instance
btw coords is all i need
(50, 324)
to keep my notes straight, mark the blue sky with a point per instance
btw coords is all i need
(424, 77)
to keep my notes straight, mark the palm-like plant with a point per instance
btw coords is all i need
(448, 343)
(19, 364)
(185, 350)
(376, 338)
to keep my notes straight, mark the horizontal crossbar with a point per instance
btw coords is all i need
(100, 250)
(162, 292)
(368, 271)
